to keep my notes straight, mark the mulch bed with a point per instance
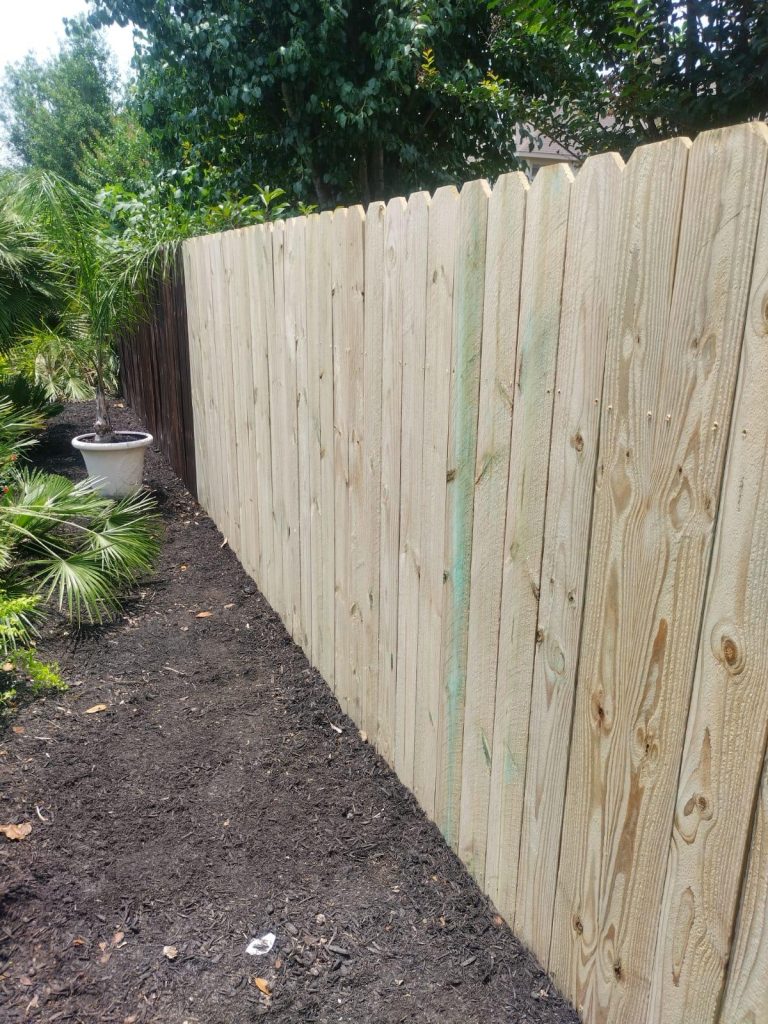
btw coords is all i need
(212, 802)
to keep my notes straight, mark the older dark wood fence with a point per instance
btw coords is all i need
(154, 364)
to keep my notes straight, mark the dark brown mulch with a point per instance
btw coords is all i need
(213, 802)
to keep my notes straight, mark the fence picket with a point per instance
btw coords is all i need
(348, 323)
(468, 287)
(256, 288)
(244, 529)
(546, 222)
(192, 253)
(746, 991)
(321, 443)
(412, 424)
(587, 287)
(443, 223)
(372, 404)
(504, 257)
(391, 406)
(296, 344)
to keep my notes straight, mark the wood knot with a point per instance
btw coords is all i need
(617, 972)
(578, 927)
(577, 442)
(728, 648)
(539, 635)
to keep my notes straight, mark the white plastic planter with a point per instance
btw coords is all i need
(116, 467)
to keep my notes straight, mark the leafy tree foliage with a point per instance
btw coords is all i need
(616, 73)
(53, 112)
(338, 100)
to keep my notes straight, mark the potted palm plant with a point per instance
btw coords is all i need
(103, 282)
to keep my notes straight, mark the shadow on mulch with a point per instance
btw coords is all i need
(213, 802)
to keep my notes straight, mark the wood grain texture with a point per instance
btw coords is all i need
(257, 285)
(663, 439)
(372, 398)
(221, 269)
(546, 222)
(321, 444)
(245, 526)
(468, 288)
(219, 393)
(391, 407)
(649, 221)
(348, 325)
(443, 222)
(296, 343)
(746, 991)
(289, 442)
(503, 267)
(587, 289)
(414, 311)
(728, 718)
(274, 319)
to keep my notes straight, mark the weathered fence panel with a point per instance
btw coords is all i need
(154, 371)
(499, 459)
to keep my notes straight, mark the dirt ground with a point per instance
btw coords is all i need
(213, 802)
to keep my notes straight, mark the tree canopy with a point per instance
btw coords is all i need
(338, 101)
(53, 112)
(617, 73)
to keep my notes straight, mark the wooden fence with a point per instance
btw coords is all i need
(154, 372)
(499, 460)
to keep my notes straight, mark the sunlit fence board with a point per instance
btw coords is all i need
(504, 252)
(468, 289)
(587, 287)
(546, 222)
(498, 459)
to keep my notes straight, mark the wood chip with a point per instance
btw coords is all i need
(16, 832)
(95, 709)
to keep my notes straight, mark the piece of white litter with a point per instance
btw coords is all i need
(261, 946)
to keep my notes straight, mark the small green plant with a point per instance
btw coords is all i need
(23, 391)
(21, 671)
(68, 544)
(62, 545)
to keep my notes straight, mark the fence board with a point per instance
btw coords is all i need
(222, 337)
(504, 255)
(296, 342)
(546, 223)
(746, 992)
(216, 425)
(245, 536)
(469, 282)
(372, 398)
(728, 718)
(256, 285)
(191, 252)
(391, 406)
(348, 325)
(321, 443)
(414, 311)
(270, 241)
(589, 267)
(437, 384)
